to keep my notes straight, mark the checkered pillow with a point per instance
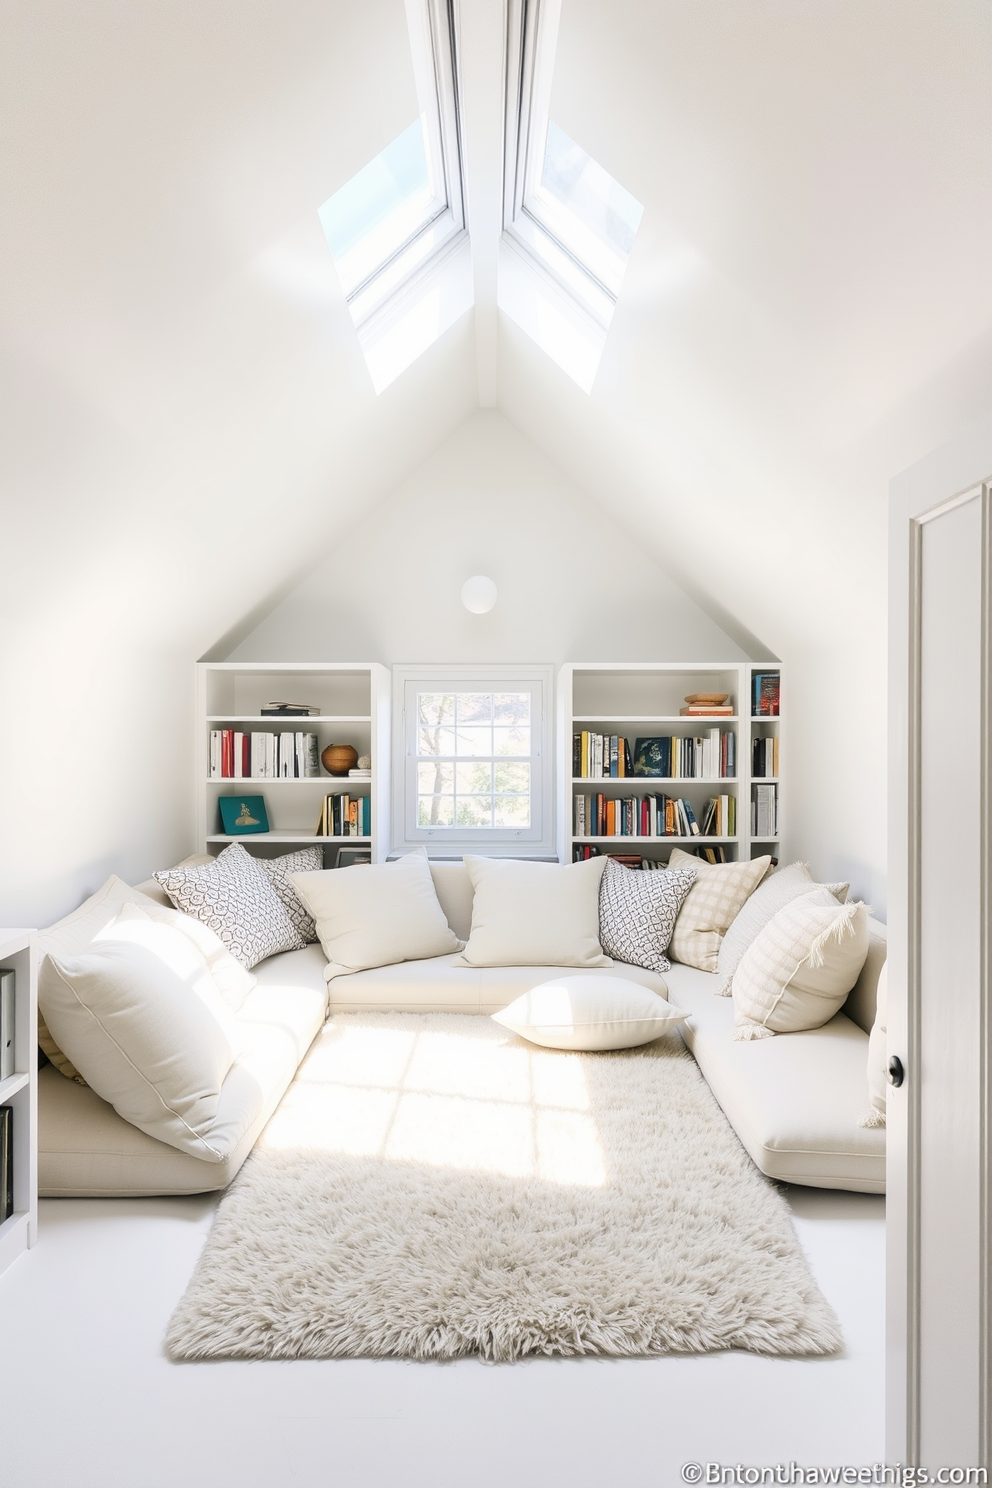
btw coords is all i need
(637, 911)
(797, 973)
(277, 870)
(235, 898)
(711, 906)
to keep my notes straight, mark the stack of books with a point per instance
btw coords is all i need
(289, 710)
(634, 816)
(257, 756)
(600, 756)
(764, 758)
(764, 694)
(342, 815)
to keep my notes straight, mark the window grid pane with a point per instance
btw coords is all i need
(473, 761)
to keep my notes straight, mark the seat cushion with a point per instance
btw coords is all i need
(795, 1101)
(444, 985)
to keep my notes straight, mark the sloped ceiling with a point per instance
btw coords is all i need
(187, 423)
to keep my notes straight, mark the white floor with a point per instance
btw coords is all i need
(87, 1397)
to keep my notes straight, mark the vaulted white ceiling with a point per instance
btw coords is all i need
(187, 421)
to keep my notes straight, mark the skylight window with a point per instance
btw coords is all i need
(395, 221)
(563, 214)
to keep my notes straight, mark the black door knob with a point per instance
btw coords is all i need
(896, 1072)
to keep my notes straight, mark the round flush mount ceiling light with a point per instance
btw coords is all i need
(478, 594)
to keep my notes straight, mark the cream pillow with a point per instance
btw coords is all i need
(375, 914)
(711, 906)
(799, 970)
(74, 933)
(878, 1080)
(590, 1013)
(232, 980)
(143, 1038)
(534, 914)
(777, 890)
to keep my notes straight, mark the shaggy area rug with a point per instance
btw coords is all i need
(433, 1186)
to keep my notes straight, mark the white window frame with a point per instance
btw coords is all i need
(532, 34)
(537, 840)
(431, 25)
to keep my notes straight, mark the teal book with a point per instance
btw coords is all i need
(242, 815)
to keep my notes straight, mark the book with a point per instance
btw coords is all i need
(706, 712)
(765, 694)
(289, 710)
(7, 985)
(6, 1162)
(242, 816)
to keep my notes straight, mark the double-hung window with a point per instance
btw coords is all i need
(475, 760)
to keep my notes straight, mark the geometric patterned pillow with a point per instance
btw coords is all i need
(712, 905)
(277, 870)
(637, 912)
(235, 898)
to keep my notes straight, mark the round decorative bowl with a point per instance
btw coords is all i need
(338, 759)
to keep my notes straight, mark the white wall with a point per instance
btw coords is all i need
(571, 585)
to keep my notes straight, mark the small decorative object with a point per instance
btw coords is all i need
(350, 857)
(338, 759)
(478, 594)
(242, 815)
(707, 699)
(365, 762)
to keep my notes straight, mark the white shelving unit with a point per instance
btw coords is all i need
(354, 702)
(20, 1091)
(638, 700)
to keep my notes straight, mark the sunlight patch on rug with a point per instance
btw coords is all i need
(432, 1187)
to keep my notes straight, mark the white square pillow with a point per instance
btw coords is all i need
(142, 1037)
(590, 1013)
(235, 898)
(534, 914)
(798, 971)
(771, 895)
(277, 871)
(878, 1082)
(711, 906)
(233, 981)
(637, 912)
(375, 914)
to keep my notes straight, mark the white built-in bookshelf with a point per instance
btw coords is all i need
(354, 702)
(638, 700)
(20, 1091)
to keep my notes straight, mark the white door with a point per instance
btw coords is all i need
(939, 945)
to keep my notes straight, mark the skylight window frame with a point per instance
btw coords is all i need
(431, 24)
(532, 30)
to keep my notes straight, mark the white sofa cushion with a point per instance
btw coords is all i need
(711, 906)
(637, 912)
(376, 914)
(534, 914)
(794, 1102)
(143, 1036)
(798, 971)
(234, 897)
(74, 933)
(590, 1013)
(878, 1083)
(232, 980)
(771, 895)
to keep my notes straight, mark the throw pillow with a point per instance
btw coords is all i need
(878, 1082)
(233, 981)
(534, 914)
(590, 1012)
(799, 970)
(143, 1038)
(277, 871)
(637, 912)
(777, 890)
(235, 898)
(375, 914)
(711, 906)
(72, 934)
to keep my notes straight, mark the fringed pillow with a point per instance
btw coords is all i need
(797, 973)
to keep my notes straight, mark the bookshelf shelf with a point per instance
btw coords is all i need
(20, 1092)
(631, 699)
(354, 702)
